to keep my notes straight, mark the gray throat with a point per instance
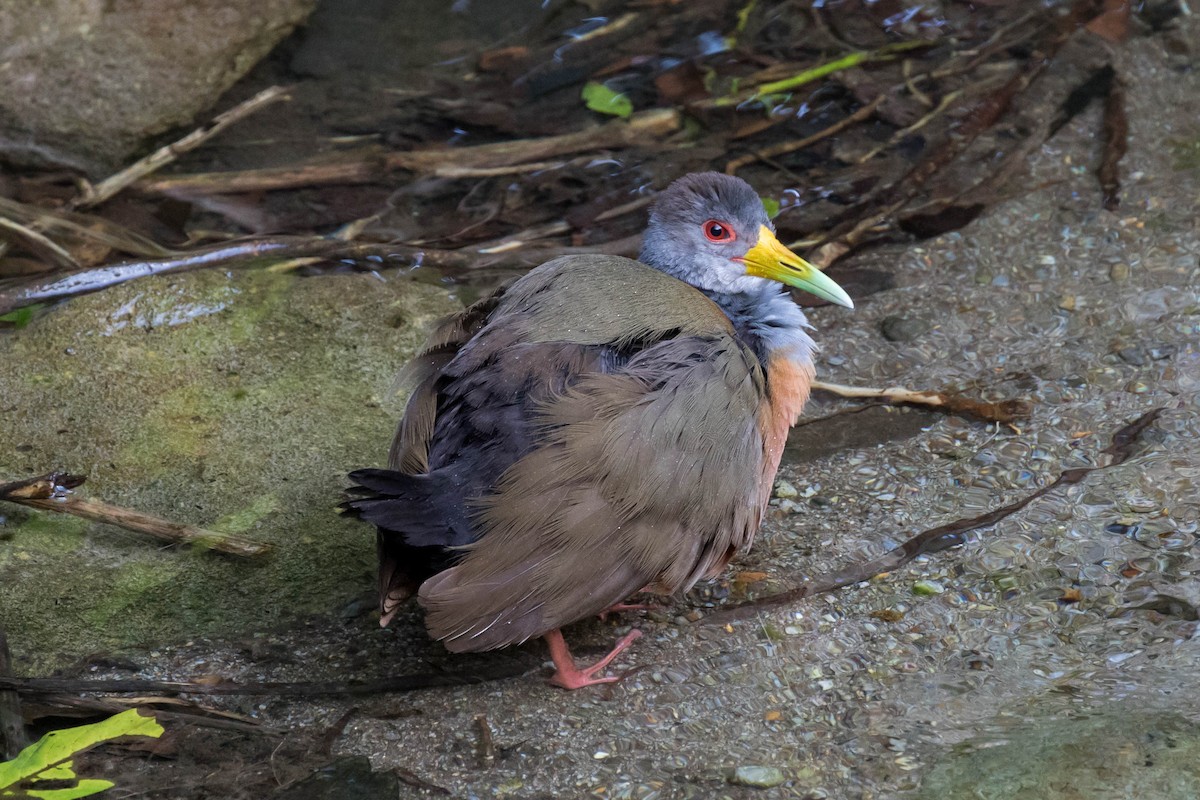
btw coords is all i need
(770, 322)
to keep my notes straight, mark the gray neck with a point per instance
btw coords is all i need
(769, 321)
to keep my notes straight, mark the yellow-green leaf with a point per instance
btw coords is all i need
(599, 97)
(49, 757)
(771, 206)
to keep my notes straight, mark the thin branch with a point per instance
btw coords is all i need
(789, 147)
(52, 492)
(396, 683)
(373, 166)
(94, 195)
(1006, 412)
(37, 244)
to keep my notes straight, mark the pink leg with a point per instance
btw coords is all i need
(569, 676)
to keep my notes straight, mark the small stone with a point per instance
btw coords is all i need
(1000, 281)
(1067, 302)
(784, 489)
(757, 777)
(1119, 272)
(1160, 351)
(1132, 355)
(902, 329)
(835, 361)
(927, 588)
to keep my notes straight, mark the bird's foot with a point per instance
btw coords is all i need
(568, 676)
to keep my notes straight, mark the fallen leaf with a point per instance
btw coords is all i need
(599, 97)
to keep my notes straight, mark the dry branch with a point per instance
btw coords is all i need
(52, 492)
(453, 162)
(1006, 411)
(790, 147)
(94, 195)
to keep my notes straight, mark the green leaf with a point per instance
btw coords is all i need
(771, 206)
(599, 97)
(21, 317)
(50, 757)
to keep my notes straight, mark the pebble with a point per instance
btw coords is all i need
(786, 490)
(758, 777)
(927, 588)
(1119, 272)
(902, 329)
(1132, 355)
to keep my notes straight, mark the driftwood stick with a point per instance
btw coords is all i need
(94, 195)
(1006, 411)
(799, 144)
(396, 683)
(12, 725)
(245, 253)
(36, 243)
(372, 166)
(51, 492)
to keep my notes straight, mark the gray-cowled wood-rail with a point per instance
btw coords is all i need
(600, 426)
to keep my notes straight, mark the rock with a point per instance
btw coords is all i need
(902, 329)
(235, 403)
(757, 777)
(1114, 756)
(85, 82)
(1135, 356)
(785, 489)
(927, 588)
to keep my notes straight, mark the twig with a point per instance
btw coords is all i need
(1116, 129)
(88, 227)
(518, 240)
(94, 195)
(397, 683)
(949, 99)
(372, 166)
(788, 147)
(1005, 412)
(37, 244)
(810, 74)
(12, 724)
(249, 252)
(51, 492)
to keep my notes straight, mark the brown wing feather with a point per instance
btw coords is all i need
(648, 475)
(409, 452)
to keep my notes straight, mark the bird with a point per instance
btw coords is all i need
(599, 427)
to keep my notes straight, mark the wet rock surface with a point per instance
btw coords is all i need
(1059, 639)
(233, 402)
(74, 70)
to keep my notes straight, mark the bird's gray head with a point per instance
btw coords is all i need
(710, 230)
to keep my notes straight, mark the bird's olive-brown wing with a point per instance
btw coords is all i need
(648, 475)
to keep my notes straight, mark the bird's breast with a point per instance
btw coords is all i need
(788, 384)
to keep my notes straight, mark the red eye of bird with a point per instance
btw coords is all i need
(718, 231)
